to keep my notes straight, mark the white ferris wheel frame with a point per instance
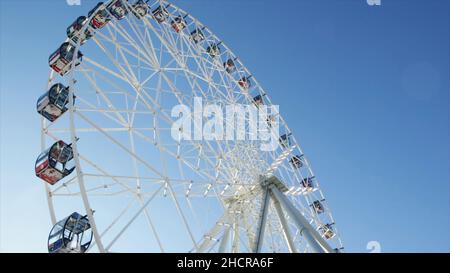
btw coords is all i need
(281, 200)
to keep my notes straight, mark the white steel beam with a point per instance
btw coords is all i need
(285, 227)
(262, 221)
(314, 239)
(225, 239)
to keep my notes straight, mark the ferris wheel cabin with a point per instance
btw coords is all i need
(100, 16)
(55, 163)
(140, 9)
(117, 9)
(61, 60)
(327, 231)
(229, 66)
(285, 141)
(318, 207)
(245, 83)
(73, 234)
(178, 24)
(308, 184)
(258, 100)
(296, 162)
(197, 36)
(53, 103)
(74, 31)
(160, 14)
(213, 50)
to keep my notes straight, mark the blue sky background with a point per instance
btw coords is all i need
(365, 89)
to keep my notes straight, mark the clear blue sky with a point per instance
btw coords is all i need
(365, 89)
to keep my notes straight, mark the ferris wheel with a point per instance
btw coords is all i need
(116, 179)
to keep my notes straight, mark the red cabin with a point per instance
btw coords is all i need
(244, 83)
(178, 24)
(100, 16)
(55, 163)
(61, 60)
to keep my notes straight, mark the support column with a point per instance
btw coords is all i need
(236, 238)
(317, 243)
(284, 225)
(225, 240)
(262, 221)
